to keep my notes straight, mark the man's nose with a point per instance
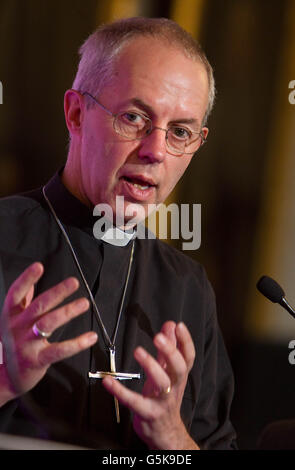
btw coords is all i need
(153, 147)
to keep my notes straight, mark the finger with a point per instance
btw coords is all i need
(27, 299)
(53, 320)
(185, 344)
(168, 329)
(53, 297)
(176, 365)
(55, 352)
(22, 286)
(134, 401)
(153, 370)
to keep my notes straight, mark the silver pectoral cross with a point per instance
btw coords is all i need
(116, 375)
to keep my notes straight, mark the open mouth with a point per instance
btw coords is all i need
(138, 182)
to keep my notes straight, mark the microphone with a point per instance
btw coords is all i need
(273, 291)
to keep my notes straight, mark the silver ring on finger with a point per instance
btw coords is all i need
(39, 333)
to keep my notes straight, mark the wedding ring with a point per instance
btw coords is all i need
(167, 390)
(38, 333)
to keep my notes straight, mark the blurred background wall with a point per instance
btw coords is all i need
(243, 176)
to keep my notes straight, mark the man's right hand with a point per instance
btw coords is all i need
(33, 355)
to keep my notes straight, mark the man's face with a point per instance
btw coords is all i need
(159, 82)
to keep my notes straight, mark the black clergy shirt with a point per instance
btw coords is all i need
(164, 285)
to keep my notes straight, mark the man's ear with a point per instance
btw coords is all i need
(73, 108)
(205, 132)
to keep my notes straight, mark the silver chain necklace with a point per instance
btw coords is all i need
(110, 341)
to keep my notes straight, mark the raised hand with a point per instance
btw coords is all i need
(157, 418)
(22, 316)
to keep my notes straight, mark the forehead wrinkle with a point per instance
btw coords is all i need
(177, 95)
(171, 82)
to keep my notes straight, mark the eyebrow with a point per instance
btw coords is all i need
(147, 108)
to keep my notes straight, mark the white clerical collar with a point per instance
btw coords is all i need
(117, 237)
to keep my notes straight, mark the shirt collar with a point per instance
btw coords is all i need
(117, 237)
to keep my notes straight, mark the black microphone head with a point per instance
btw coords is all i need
(270, 288)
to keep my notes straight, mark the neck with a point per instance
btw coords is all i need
(72, 182)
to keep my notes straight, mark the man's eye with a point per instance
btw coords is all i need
(132, 118)
(181, 133)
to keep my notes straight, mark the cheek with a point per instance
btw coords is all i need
(96, 139)
(176, 171)
(96, 155)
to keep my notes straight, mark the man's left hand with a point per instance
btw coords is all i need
(157, 418)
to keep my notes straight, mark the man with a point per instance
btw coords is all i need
(136, 115)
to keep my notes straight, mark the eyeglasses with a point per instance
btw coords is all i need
(135, 126)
